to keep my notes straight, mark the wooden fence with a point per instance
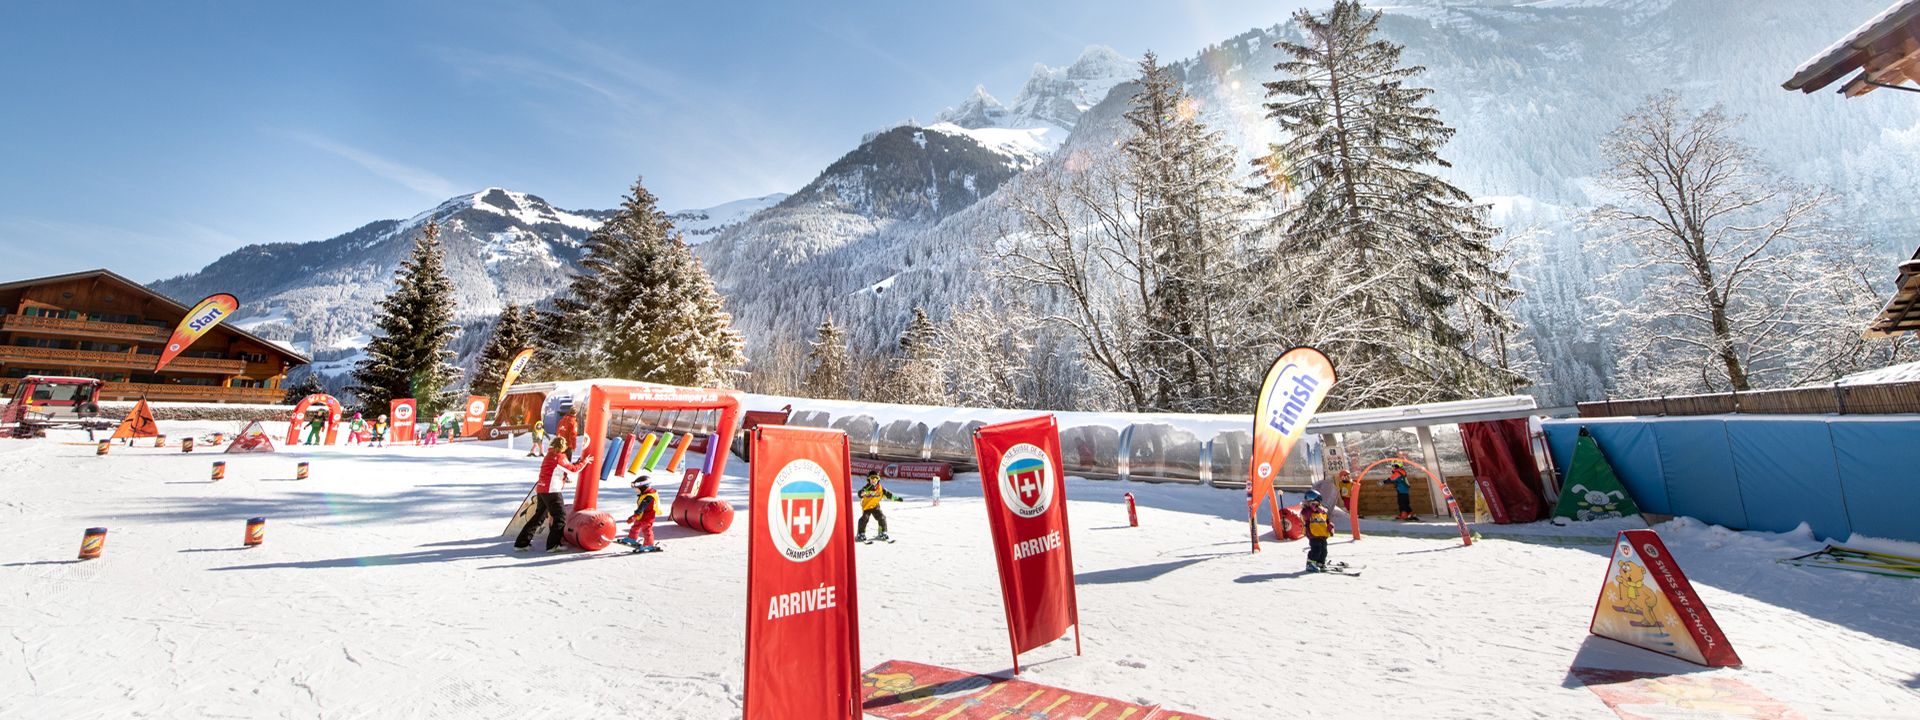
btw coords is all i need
(1883, 399)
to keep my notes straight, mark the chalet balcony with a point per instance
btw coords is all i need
(82, 328)
(115, 391)
(131, 361)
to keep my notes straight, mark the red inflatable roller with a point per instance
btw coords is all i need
(590, 530)
(710, 514)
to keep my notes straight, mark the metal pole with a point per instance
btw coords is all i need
(1433, 463)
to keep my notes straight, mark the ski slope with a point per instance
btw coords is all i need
(385, 590)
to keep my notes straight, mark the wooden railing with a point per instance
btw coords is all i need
(133, 361)
(64, 326)
(1882, 399)
(190, 393)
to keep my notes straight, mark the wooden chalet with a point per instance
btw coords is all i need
(101, 325)
(1884, 53)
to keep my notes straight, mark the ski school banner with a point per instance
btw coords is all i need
(513, 370)
(1027, 510)
(401, 412)
(803, 629)
(1295, 385)
(902, 470)
(199, 320)
(476, 417)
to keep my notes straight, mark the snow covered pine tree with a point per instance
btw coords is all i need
(1388, 259)
(512, 332)
(643, 310)
(408, 356)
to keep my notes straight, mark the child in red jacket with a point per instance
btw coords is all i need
(646, 508)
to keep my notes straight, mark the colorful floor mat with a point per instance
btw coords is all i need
(901, 689)
(1651, 696)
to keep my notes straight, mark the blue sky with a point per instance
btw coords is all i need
(152, 138)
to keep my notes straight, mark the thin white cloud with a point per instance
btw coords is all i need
(417, 179)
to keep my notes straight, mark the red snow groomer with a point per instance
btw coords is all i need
(44, 401)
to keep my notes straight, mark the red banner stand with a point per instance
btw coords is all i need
(1648, 603)
(803, 627)
(1026, 501)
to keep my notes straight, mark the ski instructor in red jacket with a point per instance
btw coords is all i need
(547, 497)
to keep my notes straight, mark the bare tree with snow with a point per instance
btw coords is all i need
(1729, 276)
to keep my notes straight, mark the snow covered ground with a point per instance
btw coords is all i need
(385, 590)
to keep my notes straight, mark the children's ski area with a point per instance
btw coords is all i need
(383, 587)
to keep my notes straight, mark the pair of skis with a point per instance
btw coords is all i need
(1340, 568)
(870, 540)
(637, 547)
(1839, 557)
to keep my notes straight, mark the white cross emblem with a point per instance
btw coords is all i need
(801, 521)
(1028, 486)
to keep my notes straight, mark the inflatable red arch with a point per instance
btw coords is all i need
(697, 508)
(295, 421)
(1353, 498)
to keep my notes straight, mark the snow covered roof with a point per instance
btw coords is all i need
(1888, 47)
(1898, 316)
(1903, 373)
(299, 358)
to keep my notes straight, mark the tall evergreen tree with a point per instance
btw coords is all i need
(1182, 172)
(1410, 252)
(309, 384)
(827, 363)
(644, 309)
(1140, 248)
(512, 333)
(408, 357)
(916, 373)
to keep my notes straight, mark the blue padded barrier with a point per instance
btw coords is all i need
(1880, 476)
(1698, 466)
(1788, 475)
(1629, 448)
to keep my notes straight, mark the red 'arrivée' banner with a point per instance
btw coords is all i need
(803, 628)
(1027, 509)
(400, 420)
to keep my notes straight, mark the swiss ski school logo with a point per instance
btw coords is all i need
(403, 412)
(1026, 480)
(804, 509)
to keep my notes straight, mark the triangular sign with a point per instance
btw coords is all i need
(252, 439)
(1647, 602)
(1592, 491)
(138, 423)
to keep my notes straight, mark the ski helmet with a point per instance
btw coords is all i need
(644, 482)
(1313, 496)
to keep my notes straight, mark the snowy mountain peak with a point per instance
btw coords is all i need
(979, 111)
(1058, 96)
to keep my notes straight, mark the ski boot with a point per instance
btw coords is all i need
(882, 537)
(862, 537)
(1314, 567)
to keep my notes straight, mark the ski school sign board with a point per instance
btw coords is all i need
(400, 411)
(1027, 510)
(1647, 602)
(803, 631)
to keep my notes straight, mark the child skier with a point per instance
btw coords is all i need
(1402, 491)
(357, 430)
(539, 441)
(870, 496)
(379, 429)
(646, 508)
(315, 425)
(1319, 528)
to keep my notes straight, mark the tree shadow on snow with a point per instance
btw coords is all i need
(1138, 573)
(1263, 577)
(475, 550)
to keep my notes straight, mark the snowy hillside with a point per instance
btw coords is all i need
(501, 246)
(384, 588)
(701, 225)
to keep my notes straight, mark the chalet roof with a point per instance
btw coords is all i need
(1903, 311)
(1886, 50)
(170, 302)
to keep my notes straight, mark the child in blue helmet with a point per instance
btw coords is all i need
(1319, 529)
(1402, 491)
